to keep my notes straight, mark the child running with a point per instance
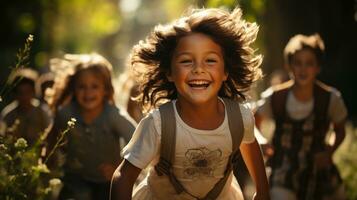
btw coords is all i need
(303, 110)
(24, 117)
(83, 90)
(198, 63)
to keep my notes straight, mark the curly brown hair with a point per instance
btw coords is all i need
(151, 59)
(68, 69)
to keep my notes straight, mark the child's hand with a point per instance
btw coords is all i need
(323, 159)
(268, 150)
(107, 170)
(260, 196)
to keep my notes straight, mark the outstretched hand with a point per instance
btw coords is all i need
(323, 159)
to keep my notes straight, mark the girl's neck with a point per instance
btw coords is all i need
(303, 93)
(26, 107)
(89, 115)
(208, 116)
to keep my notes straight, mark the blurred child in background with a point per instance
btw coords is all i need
(24, 117)
(83, 90)
(303, 110)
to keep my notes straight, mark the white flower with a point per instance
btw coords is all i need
(21, 143)
(71, 122)
(42, 168)
(30, 38)
(55, 182)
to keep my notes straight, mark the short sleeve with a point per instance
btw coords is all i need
(144, 145)
(248, 121)
(123, 123)
(337, 110)
(264, 105)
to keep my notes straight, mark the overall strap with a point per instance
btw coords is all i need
(322, 100)
(322, 96)
(278, 100)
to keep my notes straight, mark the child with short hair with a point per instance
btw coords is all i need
(303, 110)
(83, 90)
(24, 117)
(201, 64)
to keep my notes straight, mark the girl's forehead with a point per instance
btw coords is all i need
(90, 74)
(306, 52)
(87, 72)
(197, 41)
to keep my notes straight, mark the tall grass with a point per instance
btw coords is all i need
(346, 160)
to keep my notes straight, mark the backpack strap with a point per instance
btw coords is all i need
(235, 122)
(168, 144)
(236, 128)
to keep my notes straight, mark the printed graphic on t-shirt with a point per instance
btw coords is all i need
(201, 162)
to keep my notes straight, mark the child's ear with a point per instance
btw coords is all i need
(169, 77)
(287, 67)
(288, 70)
(225, 76)
(318, 69)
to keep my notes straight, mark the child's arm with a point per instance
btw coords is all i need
(123, 181)
(254, 161)
(340, 133)
(267, 148)
(324, 159)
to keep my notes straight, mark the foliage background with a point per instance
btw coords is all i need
(111, 27)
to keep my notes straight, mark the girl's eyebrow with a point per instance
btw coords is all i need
(189, 53)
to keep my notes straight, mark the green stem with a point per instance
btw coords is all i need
(58, 142)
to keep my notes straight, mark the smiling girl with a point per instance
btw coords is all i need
(83, 90)
(197, 63)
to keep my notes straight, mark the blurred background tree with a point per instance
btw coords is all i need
(112, 27)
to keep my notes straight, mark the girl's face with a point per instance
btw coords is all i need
(24, 94)
(304, 67)
(89, 91)
(197, 68)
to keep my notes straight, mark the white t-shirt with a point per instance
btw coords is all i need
(201, 157)
(297, 110)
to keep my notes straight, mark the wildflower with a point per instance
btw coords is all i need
(55, 182)
(70, 125)
(71, 122)
(21, 143)
(30, 38)
(42, 168)
(7, 157)
(14, 126)
(3, 147)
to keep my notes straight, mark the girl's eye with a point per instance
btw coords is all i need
(211, 61)
(95, 86)
(81, 87)
(185, 62)
(310, 64)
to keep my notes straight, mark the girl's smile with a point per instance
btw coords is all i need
(305, 67)
(89, 91)
(197, 68)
